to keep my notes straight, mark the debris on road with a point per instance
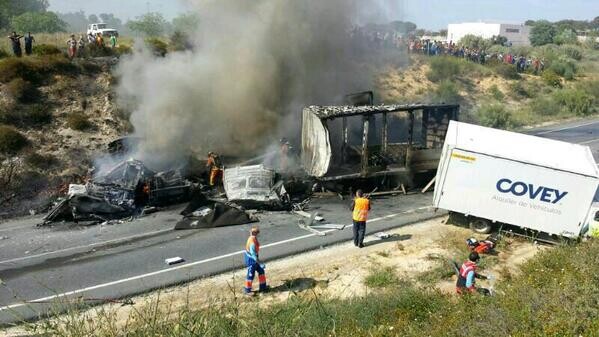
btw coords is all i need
(121, 192)
(382, 235)
(174, 260)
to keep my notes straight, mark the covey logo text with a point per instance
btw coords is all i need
(541, 193)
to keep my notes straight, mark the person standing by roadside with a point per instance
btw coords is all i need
(81, 46)
(15, 40)
(252, 262)
(360, 208)
(29, 39)
(72, 46)
(113, 41)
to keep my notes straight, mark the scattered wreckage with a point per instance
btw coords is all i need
(123, 191)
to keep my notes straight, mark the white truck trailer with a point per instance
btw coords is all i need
(495, 176)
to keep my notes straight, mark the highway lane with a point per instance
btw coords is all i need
(128, 258)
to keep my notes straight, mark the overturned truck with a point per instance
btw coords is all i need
(399, 142)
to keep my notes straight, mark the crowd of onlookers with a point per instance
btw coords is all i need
(435, 48)
(75, 47)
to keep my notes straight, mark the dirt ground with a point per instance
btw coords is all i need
(338, 271)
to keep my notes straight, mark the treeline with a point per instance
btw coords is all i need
(562, 32)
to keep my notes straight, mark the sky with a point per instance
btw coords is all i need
(428, 14)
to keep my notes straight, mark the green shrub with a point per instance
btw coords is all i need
(575, 101)
(447, 92)
(78, 121)
(572, 52)
(11, 140)
(444, 68)
(496, 93)
(3, 53)
(123, 49)
(552, 79)
(40, 161)
(46, 49)
(496, 116)
(22, 91)
(381, 277)
(561, 67)
(544, 106)
(35, 69)
(507, 71)
(520, 90)
(157, 46)
(26, 116)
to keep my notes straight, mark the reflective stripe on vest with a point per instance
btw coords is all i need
(254, 240)
(361, 206)
(467, 267)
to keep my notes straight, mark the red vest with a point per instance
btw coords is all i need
(467, 267)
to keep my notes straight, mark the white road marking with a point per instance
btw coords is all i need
(85, 246)
(589, 141)
(188, 265)
(565, 128)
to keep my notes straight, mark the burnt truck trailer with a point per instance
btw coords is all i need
(399, 142)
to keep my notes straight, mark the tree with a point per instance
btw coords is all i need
(475, 42)
(542, 33)
(186, 23)
(567, 36)
(530, 22)
(38, 22)
(93, 19)
(498, 40)
(595, 22)
(403, 27)
(151, 24)
(443, 32)
(12, 8)
(76, 21)
(111, 20)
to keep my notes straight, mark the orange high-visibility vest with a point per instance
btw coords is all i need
(254, 240)
(361, 207)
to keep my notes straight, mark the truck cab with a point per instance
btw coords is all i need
(102, 28)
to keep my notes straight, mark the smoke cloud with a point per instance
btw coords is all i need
(254, 66)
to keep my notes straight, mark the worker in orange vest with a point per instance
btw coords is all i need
(252, 262)
(216, 172)
(467, 276)
(360, 207)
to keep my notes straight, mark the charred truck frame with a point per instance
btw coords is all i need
(353, 142)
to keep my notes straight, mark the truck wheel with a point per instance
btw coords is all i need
(481, 226)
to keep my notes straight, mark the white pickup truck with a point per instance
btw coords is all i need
(495, 176)
(96, 28)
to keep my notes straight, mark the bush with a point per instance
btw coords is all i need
(22, 91)
(35, 69)
(444, 68)
(507, 71)
(3, 53)
(572, 52)
(123, 49)
(496, 93)
(521, 91)
(575, 101)
(552, 79)
(40, 161)
(447, 92)
(11, 140)
(544, 106)
(563, 67)
(380, 278)
(78, 121)
(496, 116)
(157, 46)
(46, 49)
(26, 116)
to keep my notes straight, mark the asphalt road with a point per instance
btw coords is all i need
(42, 267)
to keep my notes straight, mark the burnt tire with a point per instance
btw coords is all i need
(481, 226)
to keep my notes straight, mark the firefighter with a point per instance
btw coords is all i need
(284, 155)
(467, 275)
(360, 207)
(252, 250)
(214, 166)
